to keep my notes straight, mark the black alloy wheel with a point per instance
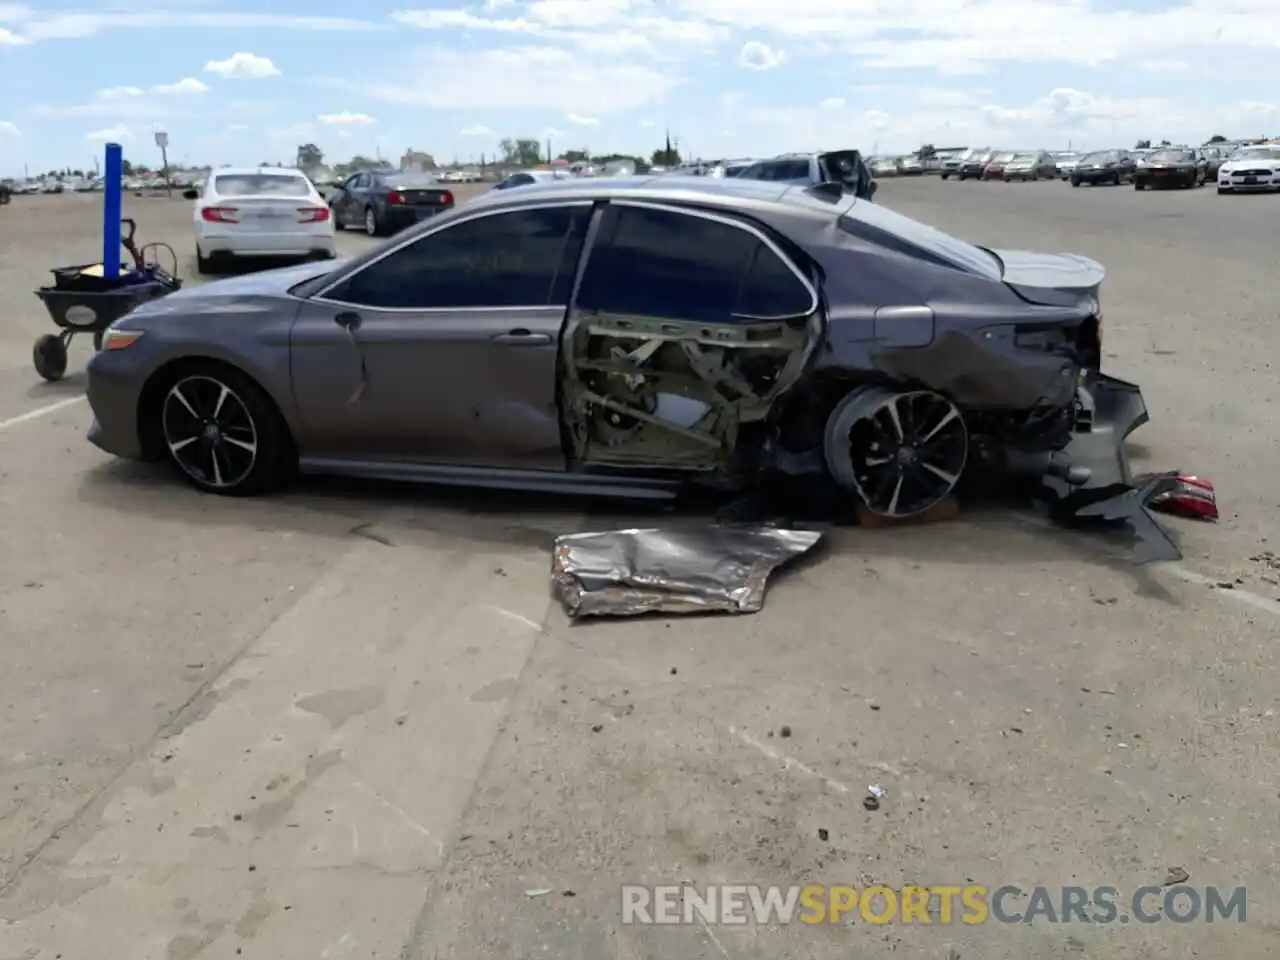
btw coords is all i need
(222, 432)
(902, 453)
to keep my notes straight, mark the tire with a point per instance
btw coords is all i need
(847, 450)
(98, 336)
(222, 433)
(205, 266)
(371, 226)
(945, 176)
(49, 357)
(1138, 185)
(1075, 181)
(1222, 193)
(338, 225)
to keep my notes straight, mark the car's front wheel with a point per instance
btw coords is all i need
(371, 226)
(222, 432)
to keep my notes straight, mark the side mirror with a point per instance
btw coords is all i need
(190, 194)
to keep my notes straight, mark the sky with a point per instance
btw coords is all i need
(238, 83)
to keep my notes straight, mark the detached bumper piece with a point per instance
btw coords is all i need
(711, 569)
(1089, 481)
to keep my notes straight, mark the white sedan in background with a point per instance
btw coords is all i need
(260, 212)
(1251, 169)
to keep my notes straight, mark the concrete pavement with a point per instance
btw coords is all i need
(346, 722)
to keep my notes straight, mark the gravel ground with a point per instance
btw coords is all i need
(345, 721)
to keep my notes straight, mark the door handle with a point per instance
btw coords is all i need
(348, 321)
(522, 337)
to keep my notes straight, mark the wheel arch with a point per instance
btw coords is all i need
(153, 390)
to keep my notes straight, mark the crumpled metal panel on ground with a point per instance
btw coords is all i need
(716, 568)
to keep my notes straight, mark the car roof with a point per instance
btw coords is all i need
(256, 171)
(727, 193)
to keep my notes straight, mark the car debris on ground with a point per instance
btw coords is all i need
(699, 569)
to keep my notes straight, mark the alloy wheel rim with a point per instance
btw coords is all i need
(370, 225)
(908, 453)
(209, 431)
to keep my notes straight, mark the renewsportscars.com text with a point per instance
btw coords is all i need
(970, 904)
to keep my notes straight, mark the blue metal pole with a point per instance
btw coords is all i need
(112, 203)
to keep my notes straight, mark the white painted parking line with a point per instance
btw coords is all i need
(1234, 592)
(39, 412)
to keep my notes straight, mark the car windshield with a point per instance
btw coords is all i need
(408, 178)
(1026, 158)
(1103, 156)
(1170, 156)
(935, 243)
(1257, 153)
(1002, 158)
(261, 185)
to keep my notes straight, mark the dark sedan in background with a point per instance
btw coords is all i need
(380, 202)
(1106, 166)
(1175, 167)
(971, 167)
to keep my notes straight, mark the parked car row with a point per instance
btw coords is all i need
(1233, 167)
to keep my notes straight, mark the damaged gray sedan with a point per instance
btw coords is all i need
(630, 338)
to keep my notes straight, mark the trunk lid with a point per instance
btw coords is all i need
(1051, 279)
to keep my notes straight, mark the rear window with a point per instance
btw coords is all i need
(261, 185)
(411, 179)
(880, 225)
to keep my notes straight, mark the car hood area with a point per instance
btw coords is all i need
(234, 294)
(265, 283)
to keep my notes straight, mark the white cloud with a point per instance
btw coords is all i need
(120, 93)
(33, 25)
(10, 39)
(552, 132)
(549, 78)
(578, 120)
(833, 103)
(110, 134)
(478, 130)
(599, 27)
(757, 56)
(187, 85)
(242, 66)
(346, 119)
(647, 124)
(8, 129)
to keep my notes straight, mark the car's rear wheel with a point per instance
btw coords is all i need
(371, 221)
(1139, 185)
(900, 452)
(222, 432)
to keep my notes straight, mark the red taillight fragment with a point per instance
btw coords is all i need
(313, 214)
(1193, 498)
(446, 199)
(396, 199)
(219, 215)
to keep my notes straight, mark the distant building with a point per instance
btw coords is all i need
(416, 160)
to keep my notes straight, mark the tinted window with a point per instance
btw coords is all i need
(261, 185)
(504, 260)
(1171, 156)
(658, 263)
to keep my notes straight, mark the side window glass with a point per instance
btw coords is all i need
(515, 259)
(678, 266)
(771, 290)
